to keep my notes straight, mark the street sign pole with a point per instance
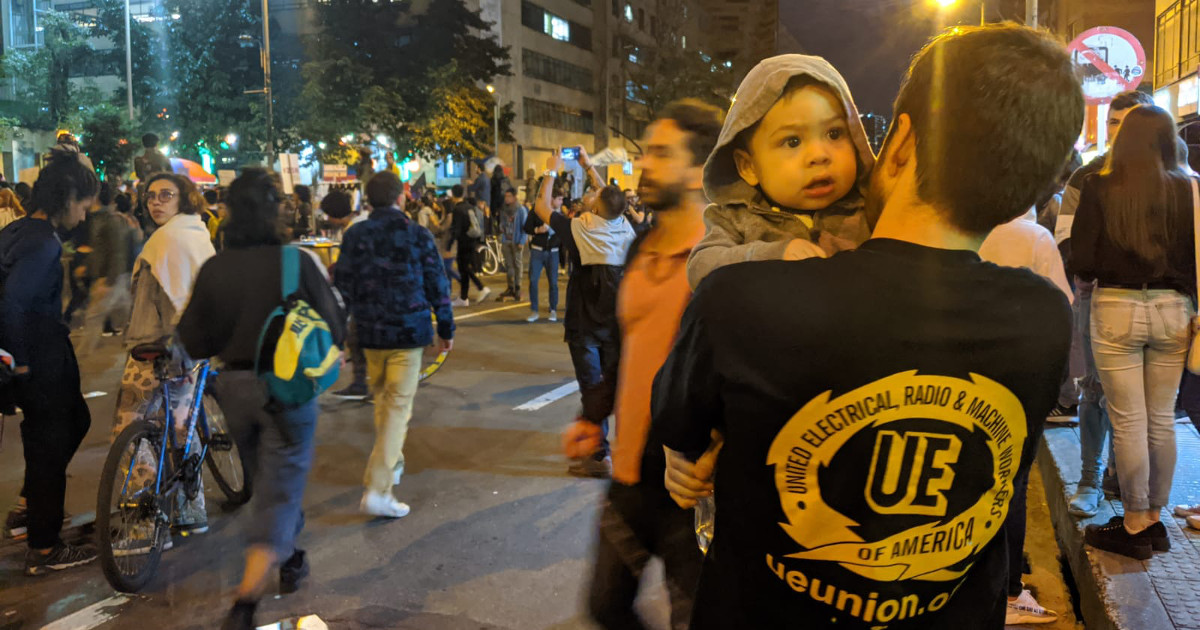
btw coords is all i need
(1031, 13)
(128, 63)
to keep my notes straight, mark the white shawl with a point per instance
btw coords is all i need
(175, 253)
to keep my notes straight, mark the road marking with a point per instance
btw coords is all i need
(557, 393)
(101, 612)
(494, 310)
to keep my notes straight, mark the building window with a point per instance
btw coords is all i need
(1177, 51)
(557, 27)
(541, 20)
(556, 116)
(683, 42)
(633, 92)
(551, 70)
(629, 13)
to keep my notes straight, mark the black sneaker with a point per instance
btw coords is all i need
(356, 391)
(292, 571)
(62, 556)
(241, 616)
(16, 525)
(1063, 415)
(1113, 537)
(1156, 534)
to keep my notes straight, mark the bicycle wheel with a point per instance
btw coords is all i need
(131, 527)
(223, 460)
(491, 262)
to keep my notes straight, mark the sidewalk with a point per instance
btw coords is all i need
(1116, 592)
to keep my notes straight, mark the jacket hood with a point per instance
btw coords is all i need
(755, 96)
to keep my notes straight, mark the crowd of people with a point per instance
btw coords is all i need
(928, 310)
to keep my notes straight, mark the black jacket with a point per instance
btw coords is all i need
(550, 240)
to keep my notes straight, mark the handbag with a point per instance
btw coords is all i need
(1193, 359)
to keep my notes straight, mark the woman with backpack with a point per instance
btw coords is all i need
(249, 273)
(162, 280)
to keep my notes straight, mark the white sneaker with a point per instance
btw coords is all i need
(483, 295)
(1184, 511)
(532, 318)
(459, 302)
(382, 504)
(553, 316)
(1193, 521)
(1026, 610)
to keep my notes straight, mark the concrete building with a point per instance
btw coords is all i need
(1177, 55)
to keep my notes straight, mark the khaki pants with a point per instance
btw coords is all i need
(393, 377)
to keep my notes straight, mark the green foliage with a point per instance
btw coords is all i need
(109, 139)
(150, 89)
(44, 95)
(379, 68)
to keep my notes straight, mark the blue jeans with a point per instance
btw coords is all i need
(539, 259)
(1094, 427)
(450, 272)
(278, 447)
(1140, 342)
(596, 371)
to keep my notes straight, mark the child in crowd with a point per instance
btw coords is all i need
(789, 172)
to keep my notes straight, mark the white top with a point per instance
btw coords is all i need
(1023, 243)
(600, 241)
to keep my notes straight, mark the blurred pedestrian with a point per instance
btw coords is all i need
(544, 247)
(511, 221)
(467, 230)
(107, 270)
(277, 440)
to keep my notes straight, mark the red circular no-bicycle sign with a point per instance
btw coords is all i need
(1110, 60)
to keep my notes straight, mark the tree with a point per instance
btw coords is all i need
(44, 94)
(108, 139)
(668, 72)
(380, 68)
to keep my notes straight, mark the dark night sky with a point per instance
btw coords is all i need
(870, 41)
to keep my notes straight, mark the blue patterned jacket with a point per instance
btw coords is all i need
(391, 276)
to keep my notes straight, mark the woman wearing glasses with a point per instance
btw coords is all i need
(163, 275)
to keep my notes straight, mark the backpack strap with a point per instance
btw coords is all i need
(290, 271)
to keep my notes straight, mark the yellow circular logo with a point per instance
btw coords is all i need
(905, 478)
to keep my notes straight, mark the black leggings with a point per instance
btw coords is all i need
(466, 266)
(56, 421)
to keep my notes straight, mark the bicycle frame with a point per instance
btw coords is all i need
(196, 421)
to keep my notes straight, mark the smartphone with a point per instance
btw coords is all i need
(570, 153)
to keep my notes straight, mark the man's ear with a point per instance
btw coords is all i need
(745, 166)
(903, 146)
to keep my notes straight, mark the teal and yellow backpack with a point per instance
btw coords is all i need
(296, 355)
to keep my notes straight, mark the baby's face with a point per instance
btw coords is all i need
(801, 154)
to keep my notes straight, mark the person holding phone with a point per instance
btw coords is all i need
(597, 243)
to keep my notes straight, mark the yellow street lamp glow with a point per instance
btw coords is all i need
(491, 89)
(947, 3)
(231, 138)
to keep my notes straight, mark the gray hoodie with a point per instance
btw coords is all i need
(742, 225)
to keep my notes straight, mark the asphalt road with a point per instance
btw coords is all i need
(499, 535)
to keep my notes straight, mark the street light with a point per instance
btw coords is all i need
(495, 121)
(128, 63)
(946, 4)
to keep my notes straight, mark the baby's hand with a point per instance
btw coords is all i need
(799, 249)
(831, 244)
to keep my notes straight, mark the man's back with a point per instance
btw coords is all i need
(391, 276)
(867, 469)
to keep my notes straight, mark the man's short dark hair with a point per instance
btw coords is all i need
(456, 191)
(613, 201)
(63, 180)
(210, 196)
(105, 196)
(383, 189)
(1130, 99)
(337, 204)
(995, 111)
(303, 193)
(701, 121)
(150, 141)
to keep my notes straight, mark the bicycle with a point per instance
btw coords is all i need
(491, 257)
(133, 524)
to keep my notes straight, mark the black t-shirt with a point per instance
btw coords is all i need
(876, 407)
(591, 292)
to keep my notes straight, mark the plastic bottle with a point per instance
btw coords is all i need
(706, 512)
